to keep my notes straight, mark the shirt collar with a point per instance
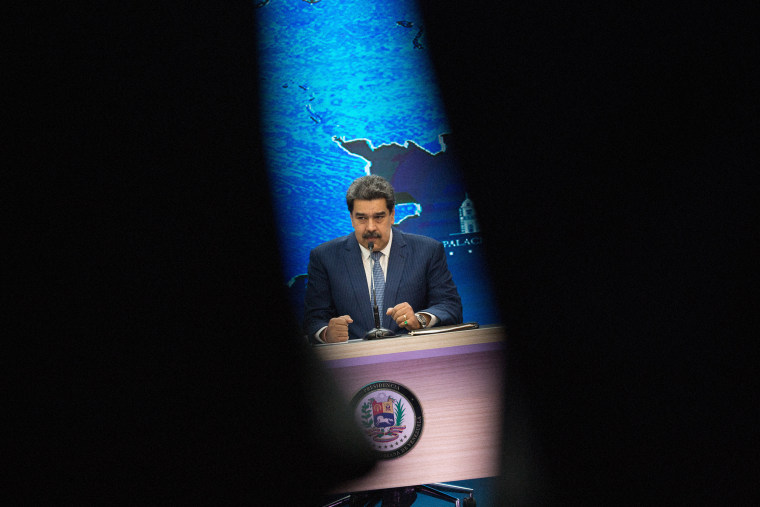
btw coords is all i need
(386, 251)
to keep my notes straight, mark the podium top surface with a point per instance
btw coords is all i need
(356, 352)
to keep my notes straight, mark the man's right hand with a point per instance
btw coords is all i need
(337, 329)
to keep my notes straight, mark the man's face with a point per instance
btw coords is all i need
(372, 221)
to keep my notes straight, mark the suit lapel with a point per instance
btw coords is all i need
(396, 262)
(352, 260)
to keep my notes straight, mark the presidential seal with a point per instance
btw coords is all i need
(390, 417)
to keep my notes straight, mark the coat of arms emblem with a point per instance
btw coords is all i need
(390, 417)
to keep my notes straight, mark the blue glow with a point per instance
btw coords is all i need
(348, 89)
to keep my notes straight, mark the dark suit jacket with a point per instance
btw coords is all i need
(417, 273)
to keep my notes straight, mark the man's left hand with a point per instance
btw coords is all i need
(403, 314)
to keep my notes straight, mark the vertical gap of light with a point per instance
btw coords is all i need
(349, 71)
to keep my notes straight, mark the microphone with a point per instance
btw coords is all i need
(378, 332)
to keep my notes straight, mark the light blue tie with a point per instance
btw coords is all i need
(379, 281)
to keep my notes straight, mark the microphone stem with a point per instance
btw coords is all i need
(372, 261)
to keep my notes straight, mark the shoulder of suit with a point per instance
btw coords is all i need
(340, 242)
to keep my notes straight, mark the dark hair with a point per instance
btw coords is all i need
(369, 188)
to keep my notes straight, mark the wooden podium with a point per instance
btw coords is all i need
(457, 378)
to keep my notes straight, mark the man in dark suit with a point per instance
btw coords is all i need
(419, 290)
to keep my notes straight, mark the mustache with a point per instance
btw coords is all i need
(371, 235)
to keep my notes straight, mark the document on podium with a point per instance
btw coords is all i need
(445, 329)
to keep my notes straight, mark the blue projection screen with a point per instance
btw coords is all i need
(347, 89)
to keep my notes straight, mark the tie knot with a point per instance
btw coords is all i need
(376, 255)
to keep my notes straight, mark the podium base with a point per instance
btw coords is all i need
(379, 333)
